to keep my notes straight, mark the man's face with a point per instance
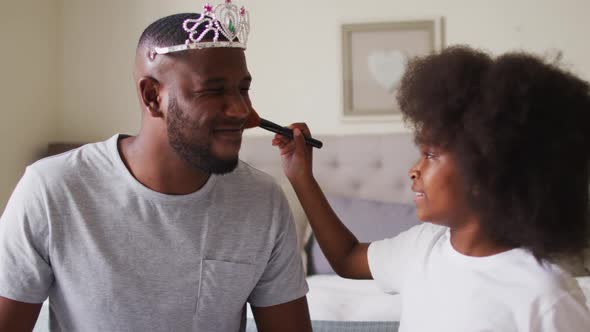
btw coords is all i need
(208, 104)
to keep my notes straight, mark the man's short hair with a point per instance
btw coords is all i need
(168, 31)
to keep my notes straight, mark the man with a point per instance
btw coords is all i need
(167, 230)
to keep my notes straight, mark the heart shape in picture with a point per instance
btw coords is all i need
(387, 68)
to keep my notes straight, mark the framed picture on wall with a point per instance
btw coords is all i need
(375, 56)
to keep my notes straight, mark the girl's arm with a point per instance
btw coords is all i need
(346, 255)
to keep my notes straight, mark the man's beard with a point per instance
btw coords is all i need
(197, 155)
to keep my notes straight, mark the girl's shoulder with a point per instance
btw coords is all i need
(427, 233)
(417, 239)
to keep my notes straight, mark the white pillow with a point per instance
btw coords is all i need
(301, 223)
(584, 283)
(576, 265)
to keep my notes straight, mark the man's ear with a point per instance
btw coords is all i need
(149, 89)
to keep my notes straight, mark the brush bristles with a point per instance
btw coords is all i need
(253, 120)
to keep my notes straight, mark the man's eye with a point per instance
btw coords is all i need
(220, 90)
(209, 91)
(428, 155)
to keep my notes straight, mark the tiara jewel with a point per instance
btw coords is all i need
(224, 19)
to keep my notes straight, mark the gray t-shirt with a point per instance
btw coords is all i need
(113, 255)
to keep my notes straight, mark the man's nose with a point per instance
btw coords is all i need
(237, 107)
(414, 174)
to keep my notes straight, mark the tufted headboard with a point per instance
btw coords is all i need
(371, 167)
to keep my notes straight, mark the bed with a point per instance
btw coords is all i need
(365, 179)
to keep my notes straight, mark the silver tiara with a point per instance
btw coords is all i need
(224, 19)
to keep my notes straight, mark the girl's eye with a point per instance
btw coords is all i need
(428, 155)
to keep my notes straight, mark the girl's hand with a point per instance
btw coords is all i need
(295, 154)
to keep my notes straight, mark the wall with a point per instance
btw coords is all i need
(294, 52)
(67, 64)
(29, 58)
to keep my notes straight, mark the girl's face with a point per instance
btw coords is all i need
(439, 188)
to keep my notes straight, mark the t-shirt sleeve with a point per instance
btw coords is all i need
(568, 314)
(390, 259)
(283, 279)
(25, 270)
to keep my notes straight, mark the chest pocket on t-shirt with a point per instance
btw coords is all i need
(225, 287)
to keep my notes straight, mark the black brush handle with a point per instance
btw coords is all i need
(275, 128)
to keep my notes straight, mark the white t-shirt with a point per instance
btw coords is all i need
(444, 290)
(113, 255)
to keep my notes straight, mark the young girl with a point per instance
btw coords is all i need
(503, 183)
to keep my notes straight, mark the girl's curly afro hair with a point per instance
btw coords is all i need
(519, 128)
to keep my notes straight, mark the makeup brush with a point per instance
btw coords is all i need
(254, 120)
